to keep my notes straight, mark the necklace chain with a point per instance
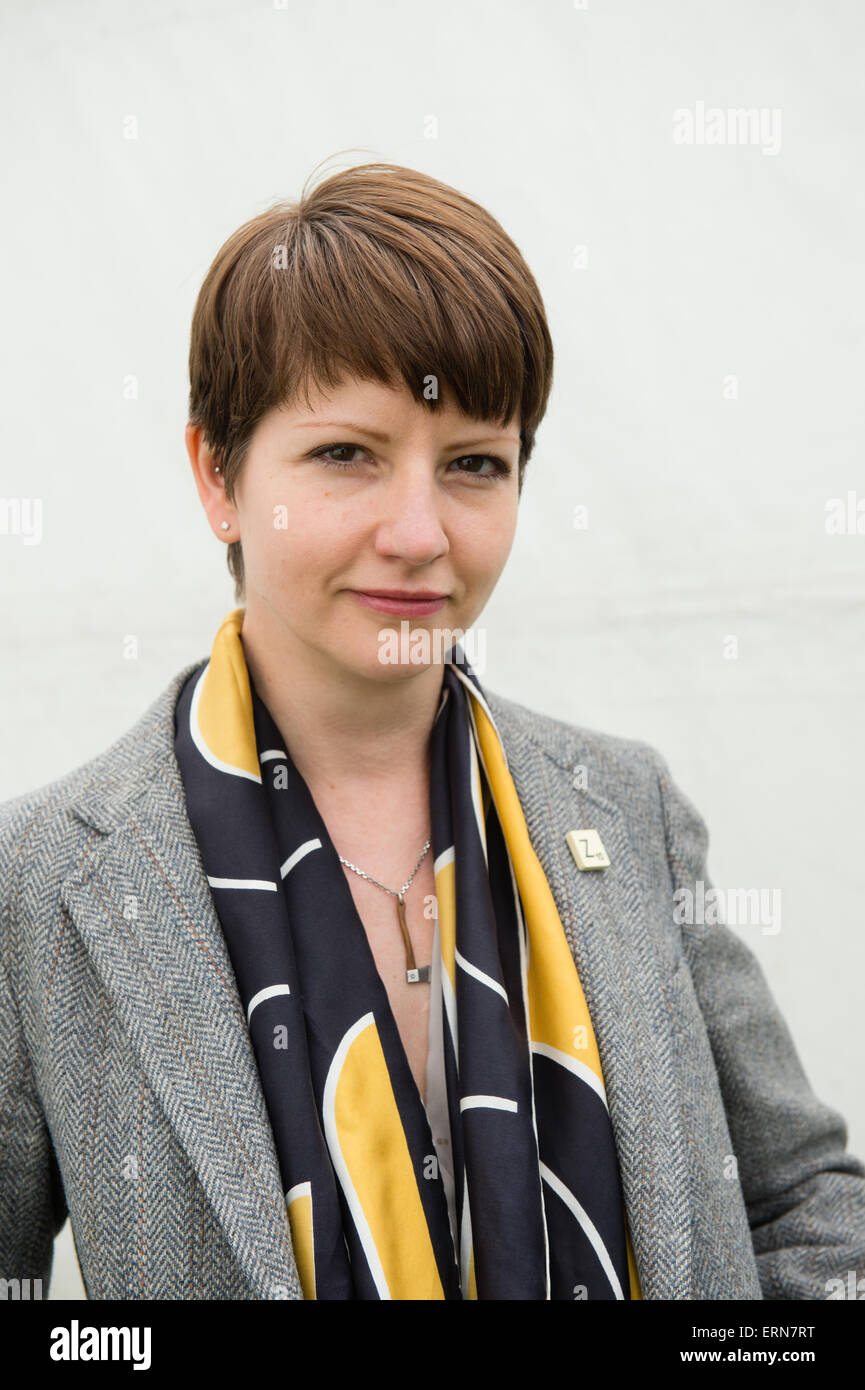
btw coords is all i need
(394, 892)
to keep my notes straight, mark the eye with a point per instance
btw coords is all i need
(500, 468)
(333, 449)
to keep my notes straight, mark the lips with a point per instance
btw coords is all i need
(418, 602)
(411, 594)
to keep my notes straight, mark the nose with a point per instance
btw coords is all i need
(411, 523)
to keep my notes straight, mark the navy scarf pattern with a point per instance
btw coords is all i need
(505, 1184)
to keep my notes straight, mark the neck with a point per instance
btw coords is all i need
(342, 727)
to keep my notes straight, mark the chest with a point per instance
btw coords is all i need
(410, 1003)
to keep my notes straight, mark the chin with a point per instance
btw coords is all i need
(393, 672)
(365, 661)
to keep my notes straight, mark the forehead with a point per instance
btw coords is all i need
(380, 407)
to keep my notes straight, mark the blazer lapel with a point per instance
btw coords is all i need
(141, 903)
(604, 914)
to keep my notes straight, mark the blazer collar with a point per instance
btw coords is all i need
(142, 906)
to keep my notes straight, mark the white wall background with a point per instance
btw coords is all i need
(706, 514)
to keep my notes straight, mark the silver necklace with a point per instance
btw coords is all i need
(414, 974)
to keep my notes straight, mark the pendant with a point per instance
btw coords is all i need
(415, 975)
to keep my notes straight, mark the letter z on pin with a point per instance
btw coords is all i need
(586, 847)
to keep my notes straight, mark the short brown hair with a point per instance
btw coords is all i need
(380, 272)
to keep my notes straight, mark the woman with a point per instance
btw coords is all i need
(339, 976)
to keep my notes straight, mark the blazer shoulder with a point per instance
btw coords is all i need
(626, 773)
(611, 756)
(33, 822)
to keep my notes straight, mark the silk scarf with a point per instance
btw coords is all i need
(505, 1184)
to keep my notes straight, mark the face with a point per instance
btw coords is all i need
(370, 491)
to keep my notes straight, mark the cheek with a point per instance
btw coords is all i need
(485, 543)
(302, 540)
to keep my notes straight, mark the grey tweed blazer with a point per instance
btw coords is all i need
(130, 1098)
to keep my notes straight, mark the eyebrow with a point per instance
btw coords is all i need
(385, 438)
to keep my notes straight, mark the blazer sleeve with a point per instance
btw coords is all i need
(804, 1193)
(32, 1200)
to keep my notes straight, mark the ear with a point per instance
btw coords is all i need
(210, 485)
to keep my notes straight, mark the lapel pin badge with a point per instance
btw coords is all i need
(586, 847)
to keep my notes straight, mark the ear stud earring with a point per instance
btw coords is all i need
(225, 525)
